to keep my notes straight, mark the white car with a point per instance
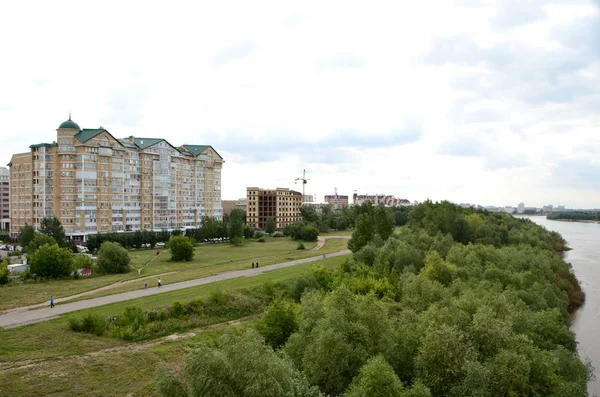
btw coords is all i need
(160, 245)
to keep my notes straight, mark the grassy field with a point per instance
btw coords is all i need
(209, 259)
(49, 359)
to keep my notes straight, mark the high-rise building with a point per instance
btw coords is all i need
(4, 199)
(95, 183)
(521, 208)
(337, 201)
(281, 204)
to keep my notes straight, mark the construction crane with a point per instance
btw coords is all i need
(304, 181)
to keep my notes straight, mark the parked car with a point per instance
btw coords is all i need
(146, 246)
(160, 245)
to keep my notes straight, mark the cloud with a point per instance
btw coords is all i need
(342, 61)
(576, 173)
(234, 52)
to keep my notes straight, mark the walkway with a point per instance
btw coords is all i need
(20, 317)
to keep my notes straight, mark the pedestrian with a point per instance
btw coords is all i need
(257, 265)
(252, 265)
(157, 253)
(146, 284)
(323, 256)
(51, 302)
(159, 283)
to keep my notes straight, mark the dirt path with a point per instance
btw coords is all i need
(22, 316)
(323, 239)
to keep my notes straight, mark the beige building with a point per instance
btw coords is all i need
(281, 204)
(95, 183)
(337, 201)
(230, 205)
(4, 199)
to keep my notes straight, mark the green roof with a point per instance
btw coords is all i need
(198, 149)
(43, 144)
(69, 124)
(86, 134)
(144, 143)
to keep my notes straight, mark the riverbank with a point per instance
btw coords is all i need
(575, 220)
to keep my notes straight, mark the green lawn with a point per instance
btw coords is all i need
(47, 358)
(209, 259)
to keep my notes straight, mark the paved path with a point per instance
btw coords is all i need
(18, 318)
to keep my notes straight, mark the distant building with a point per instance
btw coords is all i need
(521, 208)
(230, 205)
(377, 199)
(547, 209)
(281, 204)
(4, 199)
(509, 209)
(337, 202)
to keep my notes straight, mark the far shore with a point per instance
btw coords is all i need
(575, 220)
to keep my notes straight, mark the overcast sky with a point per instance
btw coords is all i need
(489, 102)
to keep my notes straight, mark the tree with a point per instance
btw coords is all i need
(39, 239)
(236, 225)
(376, 379)
(384, 222)
(309, 214)
(51, 261)
(113, 258)
(278, 323)
(270, 226)
(26, 234)
(4, 274)
(364, 232)
(182, 248)
(52, 227)
(310, 233)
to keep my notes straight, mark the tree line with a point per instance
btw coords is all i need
(460, 302)
(575, 216)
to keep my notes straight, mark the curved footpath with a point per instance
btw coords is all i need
(20, 317)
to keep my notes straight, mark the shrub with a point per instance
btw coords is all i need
(113, 258)
(237, 241)
(4, 275)
(278, 323)
(90, 323)
(182, 248)
(51, 261)
(300, 246)
(258, 234)
(261, 240)
(310, 233)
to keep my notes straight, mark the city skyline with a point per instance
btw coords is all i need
(448, 100)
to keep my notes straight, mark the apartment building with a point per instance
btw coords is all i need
(95, 183)
(337, 201)
(229, 205)
(378, 199)
(281, 204)
(4, 199)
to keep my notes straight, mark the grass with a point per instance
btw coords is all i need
(209, 259)
(46, 358)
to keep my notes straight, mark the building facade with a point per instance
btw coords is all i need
(281, 204)
(4, 199)
(337, 201)
(377, 199)
(95, 183)
(230, 205)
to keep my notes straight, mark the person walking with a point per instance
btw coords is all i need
(145, 284)
(252, 265)
(323, 256)
(51, 302)
(159, 283)
(257, 265)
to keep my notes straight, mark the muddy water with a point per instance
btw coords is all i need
(584, 239)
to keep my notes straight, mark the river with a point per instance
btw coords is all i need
(584, 239)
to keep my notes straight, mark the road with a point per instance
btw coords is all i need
(20, 317)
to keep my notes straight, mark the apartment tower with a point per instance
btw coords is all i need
(95, 183)
(281, 204)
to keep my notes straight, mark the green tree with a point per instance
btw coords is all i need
(81, 261)
(309, 214)
(182, 248)
(270, 226)
(364, 232)
(310, 233)
(376, 379)
(51, 261)
(236, 224)
(4, 273)
(39, 239)
(26, 234)
(278, 323)
(52, 227)
(384, 222)
(113, 258)
(437, 269)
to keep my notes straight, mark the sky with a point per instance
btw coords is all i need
(488, 102)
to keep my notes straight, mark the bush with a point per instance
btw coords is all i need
(258, 234)
(310, 233)
(90, 323)
(182, 248)
(4, 275)
(278, 323)
(261, 240)
(113, 258)
(51, 261)
(300, 246)
(237, 241)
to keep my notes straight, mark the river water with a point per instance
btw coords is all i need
(584, 239)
